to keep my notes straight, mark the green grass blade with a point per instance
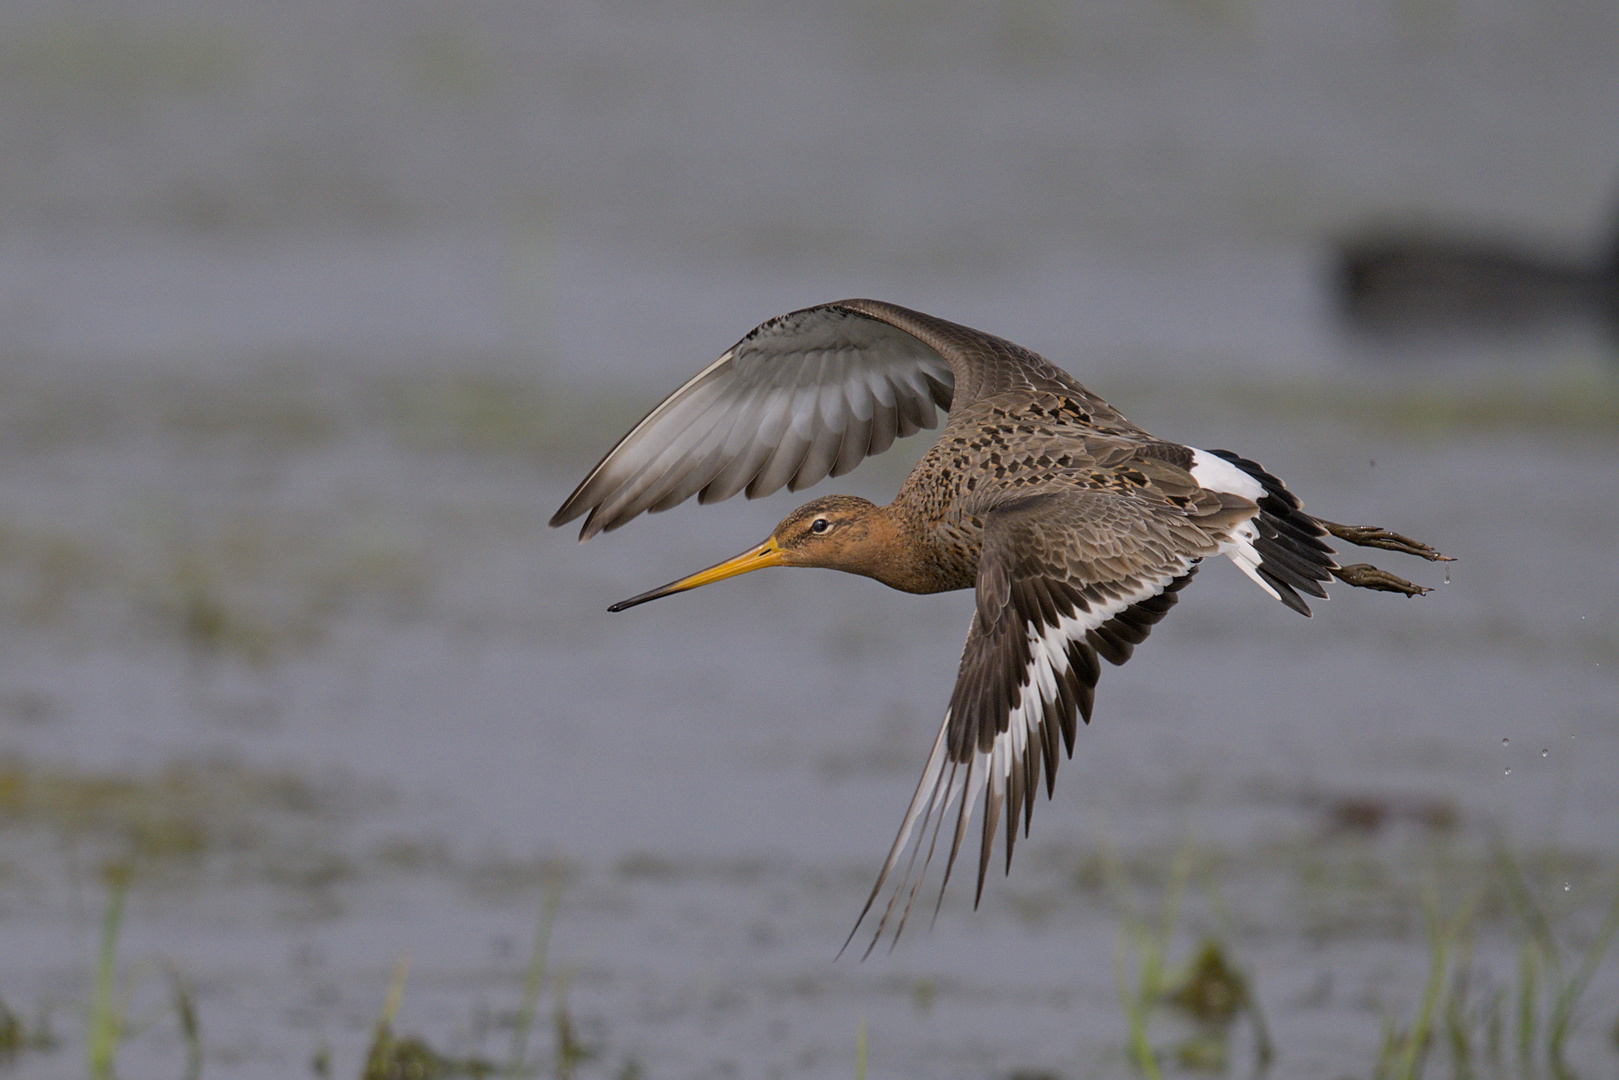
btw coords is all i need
(1414, 1052)
(1523, 901)
(185, 1013)
(105, 1021)
(534, 979)
(1562, 1017)
(1527, 1002)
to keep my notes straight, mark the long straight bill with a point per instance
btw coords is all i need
(755, 558)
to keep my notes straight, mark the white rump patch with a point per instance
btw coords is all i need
(1215, 473)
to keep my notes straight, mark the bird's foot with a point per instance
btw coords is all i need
(1367, 576)
(1373, 537)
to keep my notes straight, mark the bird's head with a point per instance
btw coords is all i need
(834, 531)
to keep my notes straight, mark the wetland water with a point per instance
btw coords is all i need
(312, 664)
(296, 366)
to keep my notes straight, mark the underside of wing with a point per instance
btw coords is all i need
(801, 397)
(1065, 582)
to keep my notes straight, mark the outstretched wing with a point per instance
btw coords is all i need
(800, 397)
(1066, 577)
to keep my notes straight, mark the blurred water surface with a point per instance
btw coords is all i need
(310, 315)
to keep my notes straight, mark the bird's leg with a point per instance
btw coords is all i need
(1367, 576)
(1373, 537)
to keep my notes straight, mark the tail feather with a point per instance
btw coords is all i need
(1289, 555)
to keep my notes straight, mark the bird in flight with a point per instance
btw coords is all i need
(1076, 528)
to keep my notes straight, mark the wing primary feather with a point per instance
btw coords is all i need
(826, 440)
(1015, 790)
(651, 485)
(993, 798)
(1031, 785)
(745, 450)
(943, 808)
(932, 774)
(582, 497)
(781, 466)
(1050, 732)
(610, 490)
(885, 414)
(689, 483)
(754, 455)
(968, 794)
(855, 446)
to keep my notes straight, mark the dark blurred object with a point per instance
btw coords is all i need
(1407, 281)
(1368, 814)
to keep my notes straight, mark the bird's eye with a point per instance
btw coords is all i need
(820, 525)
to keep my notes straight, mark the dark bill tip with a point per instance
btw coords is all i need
(623, 605)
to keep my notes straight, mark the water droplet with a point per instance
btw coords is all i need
(1506, 742)
(1508, 772)
(1447, 573)
(1565, 886)
(1544, 751)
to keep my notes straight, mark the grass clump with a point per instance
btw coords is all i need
(1518, 1028)
(107, 1012)
(18, 1036)
(1212, 990)
(392, 1057)
(1209, 990)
